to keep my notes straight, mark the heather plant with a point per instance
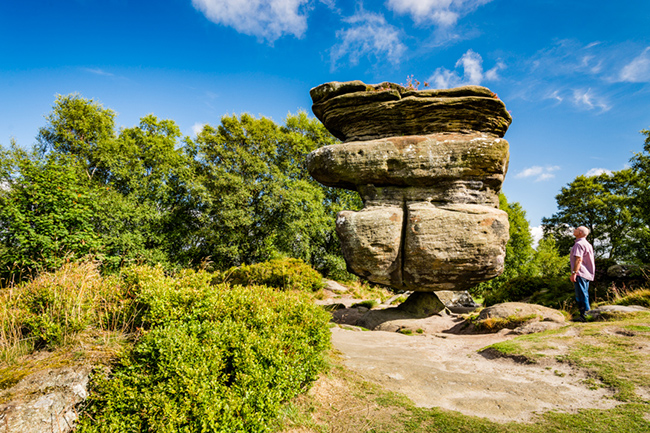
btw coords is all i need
(211, 357)
(285, 274)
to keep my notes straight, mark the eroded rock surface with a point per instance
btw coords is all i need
(429, 166)
(357, 111)
(44, 401)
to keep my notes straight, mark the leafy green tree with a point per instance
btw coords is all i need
(600, 203)
(547, 261)
(640, 199)
(259, 201)
(46, 212)
(80, 127)
(146, 208)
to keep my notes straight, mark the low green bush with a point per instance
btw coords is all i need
(212, 358)
(285, 274)
(334, 268)
(552, 292)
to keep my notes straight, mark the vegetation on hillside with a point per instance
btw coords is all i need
(200, 356)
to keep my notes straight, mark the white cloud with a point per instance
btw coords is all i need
(638, 70)
(538, 172)
(197, 128)
(598, 172)
(537, 233)
(444, 13)
(266, 19)
(589, 100)
(369, 35)
(472, 64)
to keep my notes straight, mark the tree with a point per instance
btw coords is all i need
(640, 200)
(259, 200)
(600, 203)
(80, 127)
(46, 212)
(145, 210)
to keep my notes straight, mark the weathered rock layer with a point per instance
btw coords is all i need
(429, 166)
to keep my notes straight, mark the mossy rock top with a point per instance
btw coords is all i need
(354, 111)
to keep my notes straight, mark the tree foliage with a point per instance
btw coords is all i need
(602, 204)
(46, 212)
(237, 194)
(614, 206)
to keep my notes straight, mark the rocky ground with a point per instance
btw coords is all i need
(436, 363)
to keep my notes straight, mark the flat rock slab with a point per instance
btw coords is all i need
(521, 310)
(44, 401)
(444, 370)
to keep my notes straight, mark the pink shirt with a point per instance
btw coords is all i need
(583, 249)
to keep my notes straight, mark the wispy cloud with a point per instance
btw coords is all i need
(590, 100)
(98, 71)
(538, 172)
(537, 233)
(472, 65)
(266, 19)
(638, 70)
(444, 13)
(598, 172)
(369, 35)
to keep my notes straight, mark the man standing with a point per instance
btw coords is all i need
(582, 269)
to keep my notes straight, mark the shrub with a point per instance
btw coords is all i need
(550, 292)
(334, 268)
(285, 274)
(211, 358)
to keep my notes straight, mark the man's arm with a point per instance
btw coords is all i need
(576, 268)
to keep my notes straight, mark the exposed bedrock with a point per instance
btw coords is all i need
(429, 166)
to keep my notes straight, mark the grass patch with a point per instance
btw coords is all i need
(636, 297)
(369, 304)
(365, 290)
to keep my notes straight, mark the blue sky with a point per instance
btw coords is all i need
(574, 74)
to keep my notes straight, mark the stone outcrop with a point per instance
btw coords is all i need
(429, 166)
(509, 310)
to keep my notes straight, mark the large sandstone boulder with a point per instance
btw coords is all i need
(429, 166)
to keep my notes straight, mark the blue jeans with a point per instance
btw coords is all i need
(582, 293)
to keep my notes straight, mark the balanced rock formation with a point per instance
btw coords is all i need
(429, 166)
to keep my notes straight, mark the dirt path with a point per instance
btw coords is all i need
(437, 369)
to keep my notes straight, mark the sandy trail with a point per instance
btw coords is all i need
(438, 369)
